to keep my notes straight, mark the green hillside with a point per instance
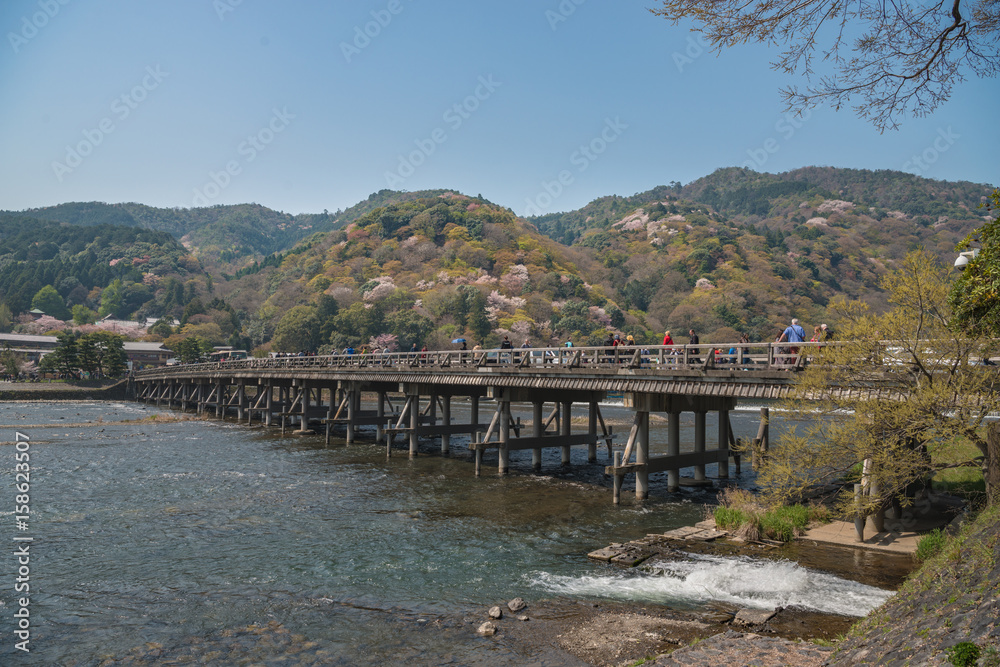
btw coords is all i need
(427, 270)
(228, 234)
(739, 251)
(81, 262)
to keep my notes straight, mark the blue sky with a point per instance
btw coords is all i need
(539, 105)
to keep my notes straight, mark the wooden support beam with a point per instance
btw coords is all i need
(667, 463)
(538, 442)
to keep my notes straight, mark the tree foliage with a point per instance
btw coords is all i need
(48, 301)
(102, 354)
(191, 349)
(65, 358)
(897, 57)
(902, 391)
(976, 294)
(298, 330)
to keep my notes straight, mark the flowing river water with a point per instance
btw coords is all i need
(156, 539)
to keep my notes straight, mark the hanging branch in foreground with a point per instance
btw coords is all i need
(896, 56)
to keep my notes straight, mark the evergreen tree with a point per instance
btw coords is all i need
(64, 359)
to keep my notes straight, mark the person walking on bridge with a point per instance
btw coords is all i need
(693, 340)
(793, 334)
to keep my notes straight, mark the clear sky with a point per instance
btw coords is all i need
(302, 105)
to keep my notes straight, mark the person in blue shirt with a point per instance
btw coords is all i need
(794, 333)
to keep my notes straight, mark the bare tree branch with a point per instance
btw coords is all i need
(887, 57)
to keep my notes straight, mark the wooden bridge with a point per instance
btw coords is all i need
(410, 394)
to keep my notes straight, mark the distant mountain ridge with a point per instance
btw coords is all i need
(734, 252)
(749, 196)
(227, 233)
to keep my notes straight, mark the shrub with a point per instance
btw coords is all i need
(964, 654)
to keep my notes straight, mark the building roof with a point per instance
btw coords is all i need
(26, 339)
(145, 347)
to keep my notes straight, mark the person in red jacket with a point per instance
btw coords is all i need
(667, 340)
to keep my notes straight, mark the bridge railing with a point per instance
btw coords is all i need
(734, 356)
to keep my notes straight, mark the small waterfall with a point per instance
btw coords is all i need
(743, 581)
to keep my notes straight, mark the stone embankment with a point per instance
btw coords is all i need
(953, 598)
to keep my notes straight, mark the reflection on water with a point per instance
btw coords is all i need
(156, 540)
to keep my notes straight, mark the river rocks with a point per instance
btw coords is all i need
(754, 617)
(522, 617)
(496, 613)
(487, 629)
(517, 604)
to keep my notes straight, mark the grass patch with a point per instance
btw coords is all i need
(739, 511)
(966, 481)
(930, 545)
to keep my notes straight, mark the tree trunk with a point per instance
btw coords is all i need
(991, 463)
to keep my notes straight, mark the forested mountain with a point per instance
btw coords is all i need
(233, 235)
(736, 251)
(744, 251)
(76, 261)
(228, 234)
(424, 270)
(749, 196)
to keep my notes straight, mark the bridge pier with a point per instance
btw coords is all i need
(592, 412)
(724, 443)
(380, 413)
(674, 447)
(504, 409)
(642, 456)
(268, 403)
(537, 428)
(674, 460)
(353, 398)
(414, 403)
(241, 395)
(699, 445)
(566, 428)
(446, 422)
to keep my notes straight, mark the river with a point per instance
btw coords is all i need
(154, 539)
